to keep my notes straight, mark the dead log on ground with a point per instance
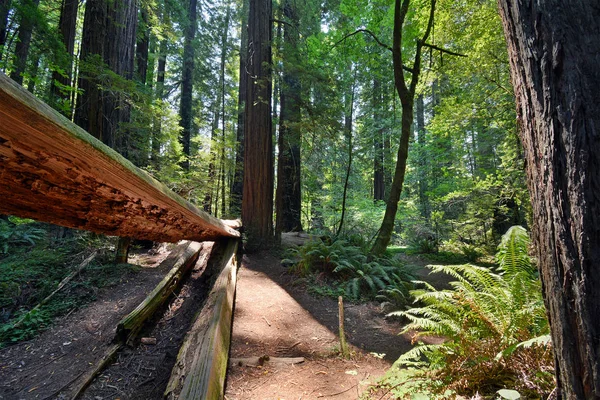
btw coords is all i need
(199, 372)
(183, 258)
(52, 170)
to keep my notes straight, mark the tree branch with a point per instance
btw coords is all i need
(452, 53)
(379, 42)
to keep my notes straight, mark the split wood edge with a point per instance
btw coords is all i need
(199, 372)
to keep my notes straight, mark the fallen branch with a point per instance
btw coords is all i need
(264, 360)
(183, 258)
(61, 285)
(103, 362)
(199, 372)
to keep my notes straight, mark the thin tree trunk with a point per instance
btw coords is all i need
(143, 47)
(160, 94)
(27, 21)
(63, 79)
(378, 161)
(288, 195)
(348, 118)
(257, 203)
(422, 158)
(187, 85)
(555, 69)
(407, 96)
(5, 6)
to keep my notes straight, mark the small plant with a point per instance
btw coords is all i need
(349, 267)
(483, 319)
(18, 234)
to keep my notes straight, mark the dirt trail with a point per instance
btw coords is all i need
(275, 318)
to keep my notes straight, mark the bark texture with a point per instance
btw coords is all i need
(289, 198)
(26, 25)
(4, 11)
(187, 83)
(257, 203)
(554, 50)
(67, 30)
(237, 187)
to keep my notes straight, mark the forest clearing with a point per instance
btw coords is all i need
(256, 199)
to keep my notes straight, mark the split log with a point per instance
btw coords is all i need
(51, 170)
(199, 372)
(265, 360)
(184, 257)
(61, 285)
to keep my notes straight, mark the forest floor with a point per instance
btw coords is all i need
(275, 316)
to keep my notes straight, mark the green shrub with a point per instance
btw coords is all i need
(349, 266)
(482, 320)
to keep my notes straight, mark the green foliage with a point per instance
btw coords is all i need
(483, 319)
(350, 268)
(19, 233)
(29, 273)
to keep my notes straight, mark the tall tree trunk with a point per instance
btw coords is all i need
(422, 158)
(4, 11)
(257, 203)
(237, 188)
(378, 161)
(26, 24)
(224, 48)
(160, 94)
(348, 118)
(555, 69)
(89, 112)
(60, 80)
(143, 46)
(407, 96)
(289, 197)
(187, 85)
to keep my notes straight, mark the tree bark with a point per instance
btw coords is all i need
(27, 22)
(88, 114)
(554, 51)
(288, 195)
(143, 46)
(62, 79)
(378, 161)
(257, 203)
(237, 188)
(5, 6)
(187, 84)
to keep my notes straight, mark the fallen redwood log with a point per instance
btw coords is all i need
(183, 258)
(51, 170)
(199, 372)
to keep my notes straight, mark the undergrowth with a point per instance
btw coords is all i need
(341, 268)
(494, 330)
(33, 265)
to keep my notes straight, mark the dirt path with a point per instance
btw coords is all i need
(275, 318)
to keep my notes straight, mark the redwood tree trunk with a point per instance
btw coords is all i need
(26, 24)
(187, 85)
(68, 29)
(237, 188)
(4, 11)
(143, 46)
(554, 50)
(289, 198)
(257, 203)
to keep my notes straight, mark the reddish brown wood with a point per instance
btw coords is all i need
(53, 171)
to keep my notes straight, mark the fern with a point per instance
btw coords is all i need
(484, 312)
